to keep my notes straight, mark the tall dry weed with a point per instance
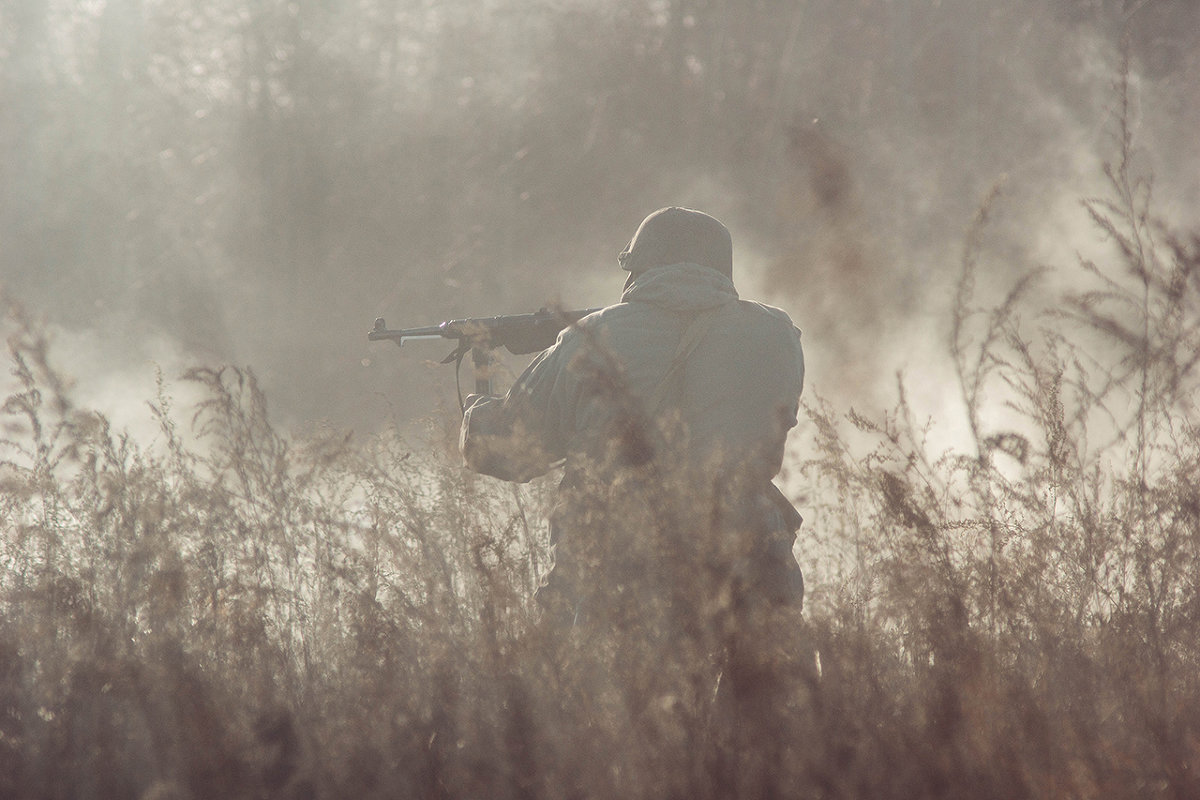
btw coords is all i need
(1034, 592)
(231, 611)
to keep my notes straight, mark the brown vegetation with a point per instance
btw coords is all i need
(238, 613)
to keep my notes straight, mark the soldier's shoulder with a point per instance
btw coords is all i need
(768, 313)
(595, 324)
(607, 315)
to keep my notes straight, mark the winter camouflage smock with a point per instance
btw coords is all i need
(681, 353)
(736, 392)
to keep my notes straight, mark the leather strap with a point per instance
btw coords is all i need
(691, 336)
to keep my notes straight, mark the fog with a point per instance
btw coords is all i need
(254, 182)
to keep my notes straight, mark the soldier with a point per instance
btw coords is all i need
(680, 351)
(671, 409)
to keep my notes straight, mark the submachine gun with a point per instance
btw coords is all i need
(520, 334)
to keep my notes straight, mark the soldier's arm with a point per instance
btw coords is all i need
(496, 441)
(521, 435)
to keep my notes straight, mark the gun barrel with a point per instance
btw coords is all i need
(381, 331)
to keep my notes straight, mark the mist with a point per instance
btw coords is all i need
(254, 182)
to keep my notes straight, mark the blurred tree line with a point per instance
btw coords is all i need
(258, 179)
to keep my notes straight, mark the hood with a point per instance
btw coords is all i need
(681, 287)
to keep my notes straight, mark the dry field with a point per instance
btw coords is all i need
(234, 612)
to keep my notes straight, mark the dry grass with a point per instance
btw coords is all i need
(241, 613)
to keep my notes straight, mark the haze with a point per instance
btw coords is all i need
(254, 182)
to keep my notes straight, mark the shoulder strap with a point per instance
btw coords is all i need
(691, 337)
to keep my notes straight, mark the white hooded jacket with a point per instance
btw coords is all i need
(731, 399)
(737, 392)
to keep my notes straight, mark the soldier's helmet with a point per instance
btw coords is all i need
(676, 235)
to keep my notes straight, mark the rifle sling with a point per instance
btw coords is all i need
(691, 336)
